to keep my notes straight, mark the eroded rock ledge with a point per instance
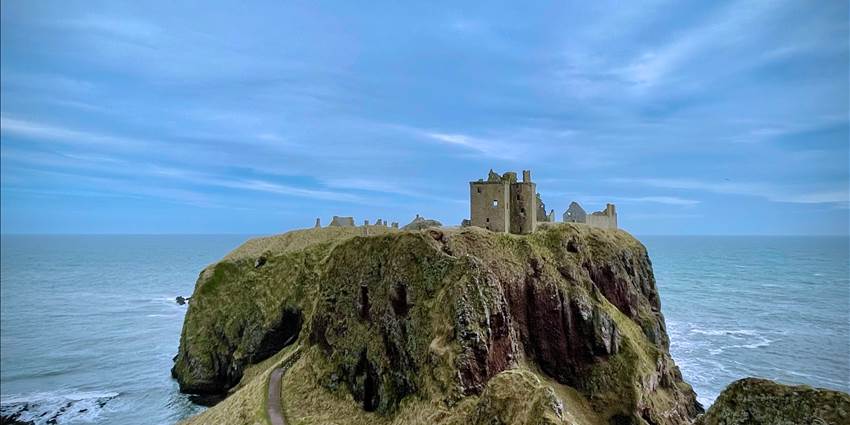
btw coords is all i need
(753, 401)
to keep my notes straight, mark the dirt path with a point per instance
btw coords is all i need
(273, 405)
(273, 408)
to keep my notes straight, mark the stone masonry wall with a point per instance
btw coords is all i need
(489, 204)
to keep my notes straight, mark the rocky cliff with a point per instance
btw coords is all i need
(560, 326)
(753, 401)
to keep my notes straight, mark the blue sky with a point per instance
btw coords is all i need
(153, 117)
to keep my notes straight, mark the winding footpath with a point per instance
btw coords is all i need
(274, 409)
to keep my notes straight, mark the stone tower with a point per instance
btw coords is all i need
(503, 204)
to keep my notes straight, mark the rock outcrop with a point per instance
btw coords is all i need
(559, 326)
(753, 401)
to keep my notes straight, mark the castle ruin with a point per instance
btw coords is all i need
(606, 219)
(503, 204)
(500, 204)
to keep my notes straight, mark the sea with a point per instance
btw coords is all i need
(89, 324)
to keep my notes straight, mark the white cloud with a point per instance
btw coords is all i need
(771, 192)
(382, 186)
(602, 199)
(258, 185)
(48, 82)
(820, 197)
(130, 29)
(668, 200)
(490, 147)
(51, 133)
(720, 31)
(721, 43)
(460, 139)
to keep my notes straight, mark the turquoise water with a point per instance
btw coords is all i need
(89, 325)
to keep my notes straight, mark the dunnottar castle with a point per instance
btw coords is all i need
(503, 204)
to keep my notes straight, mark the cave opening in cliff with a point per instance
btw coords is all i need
(364, 302)
(284, 333)
(399, 300)
(366, 371)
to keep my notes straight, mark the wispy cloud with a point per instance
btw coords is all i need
(771, 192)
(667, 200)
(113, 26)
(51, 82)
(253, 184)
(719, 31)
(52, 133)
(86, 164)
(394, 187)
(510, 143)
(80, 184)
(602, 199)
(473, 143)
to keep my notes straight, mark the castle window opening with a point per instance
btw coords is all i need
(479, 189)
(495, 203)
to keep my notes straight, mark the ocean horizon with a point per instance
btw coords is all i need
(90, 324)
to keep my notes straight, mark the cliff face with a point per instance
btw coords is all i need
(560, 326)
(754, 401)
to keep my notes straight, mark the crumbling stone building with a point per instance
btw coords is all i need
(503, 204)
(575, 214)
(606, 219)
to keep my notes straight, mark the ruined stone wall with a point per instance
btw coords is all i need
(489, 205)
(523, 218)
(602, 221)
(606, 219)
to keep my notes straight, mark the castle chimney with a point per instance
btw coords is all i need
(526, 176)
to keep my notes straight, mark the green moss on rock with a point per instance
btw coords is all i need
(449, 317)
(753, 401)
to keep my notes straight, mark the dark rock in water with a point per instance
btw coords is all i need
(13, 420)
(753, 401)
(207, 400)
(181, 300)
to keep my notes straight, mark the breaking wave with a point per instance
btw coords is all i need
(56, 407)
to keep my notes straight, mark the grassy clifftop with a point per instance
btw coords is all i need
(452, 325)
